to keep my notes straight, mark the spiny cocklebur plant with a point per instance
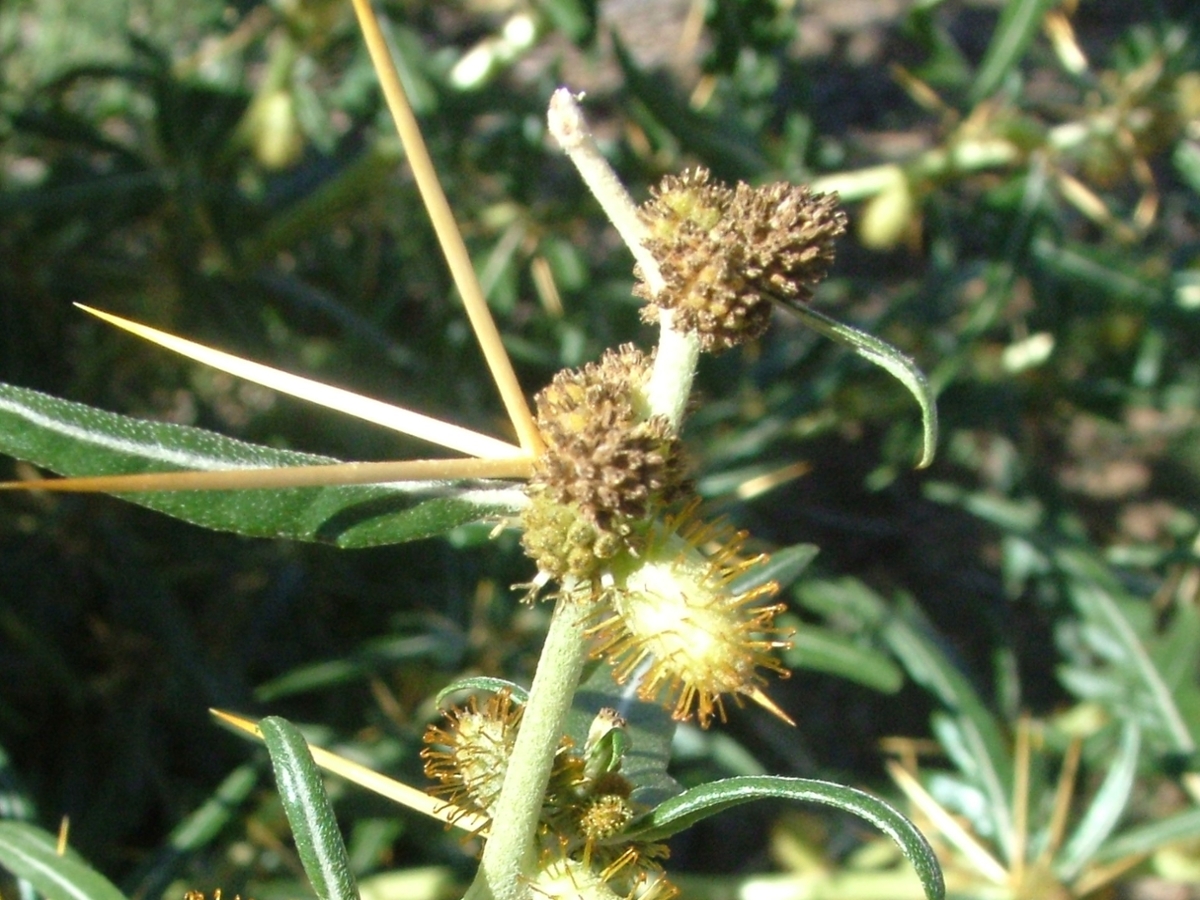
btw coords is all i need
(612, 524)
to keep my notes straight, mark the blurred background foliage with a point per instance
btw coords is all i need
(1023, 179)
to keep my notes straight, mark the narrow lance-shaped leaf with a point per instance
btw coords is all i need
(682, 811)
(30, 853)
(1019, 23)
(888, 358)
(314, 826)
(75, 439)
(971, 729)
(1106, 809)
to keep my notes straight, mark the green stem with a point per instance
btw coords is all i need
(511, 851)
(674, 368)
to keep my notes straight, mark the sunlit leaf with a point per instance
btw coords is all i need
(314, 826)
(31, 854)
(74, 439)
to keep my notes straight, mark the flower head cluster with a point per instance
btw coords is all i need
(587, 806)
(726, 253)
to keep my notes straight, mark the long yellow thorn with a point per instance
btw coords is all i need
(447, 231)
(403, 794)
(286, 477)
(453, 437)
(770, 705)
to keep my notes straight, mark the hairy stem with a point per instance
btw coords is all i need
(675, 362)
(511, 851)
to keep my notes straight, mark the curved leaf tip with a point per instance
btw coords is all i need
(696, 804)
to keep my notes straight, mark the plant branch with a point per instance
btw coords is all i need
(510, 854)
(678, 353)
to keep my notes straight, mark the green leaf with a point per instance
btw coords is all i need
(482, 683)
(726, 146)
(649, 727)
(822, 650)
(439, 647)
(1105, 810)
(196, 831)
(314, 827)
(30, 853)
(783, 567)
(697, 804)
(1144, 839)
(981, 750)
(74, 439)
(1144, 689)
(1019, 22)
(888, 358)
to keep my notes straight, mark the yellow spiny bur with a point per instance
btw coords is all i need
(673, 608)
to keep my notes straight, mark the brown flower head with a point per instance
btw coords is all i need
(605, 459)
(725, 253)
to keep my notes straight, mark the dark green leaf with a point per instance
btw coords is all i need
(31, 854)
(1019, 23)
(985, 752)
(314, 827)
(197, 830)
(726, 147)
(783, 567)
(697, 804)
(649, 727)
(439, 646)
(888, 358)
(74, 439)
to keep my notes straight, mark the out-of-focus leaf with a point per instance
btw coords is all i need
(1106, 808)
(74, 439)
(1187, 163)
(198, 830)
(984, 748)
(32, 854)
(1144, 839)
(1123, 673)
(724, 146)
(441, 646)
(1019, 23)
(574, 18)
(784, 567)
(822, 650)
(314, 826)
(1097, 269)
(697, 804)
